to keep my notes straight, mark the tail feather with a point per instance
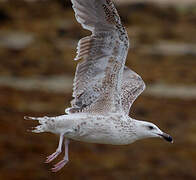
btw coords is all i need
(38, 129)
(36, 118)
(42, 121)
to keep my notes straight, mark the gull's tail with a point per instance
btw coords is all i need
(45, 123)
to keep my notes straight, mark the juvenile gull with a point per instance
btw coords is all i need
(104, 88)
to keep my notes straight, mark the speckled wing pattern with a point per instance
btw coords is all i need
(132, 87)
(98, 77)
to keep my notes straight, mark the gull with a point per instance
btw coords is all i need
(104, 89)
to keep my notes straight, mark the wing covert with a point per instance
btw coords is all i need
(132, 87)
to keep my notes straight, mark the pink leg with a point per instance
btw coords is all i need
(57, 152)
(65, 160)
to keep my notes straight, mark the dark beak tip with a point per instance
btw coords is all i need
(172, 141)
(167, 137)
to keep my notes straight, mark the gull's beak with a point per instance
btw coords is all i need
(167, 137)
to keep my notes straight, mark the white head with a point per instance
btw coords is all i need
(145, 129)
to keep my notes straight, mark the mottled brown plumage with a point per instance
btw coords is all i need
(103, 90)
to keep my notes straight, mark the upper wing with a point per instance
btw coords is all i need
(91, 14)
(98, 76)
(132, 87)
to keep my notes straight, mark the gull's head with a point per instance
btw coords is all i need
(147, 129)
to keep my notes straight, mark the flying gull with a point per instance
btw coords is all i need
(104, 88)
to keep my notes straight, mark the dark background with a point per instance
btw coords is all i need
(37, 47)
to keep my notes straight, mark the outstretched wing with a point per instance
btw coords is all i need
(98, 76)
(132, 87)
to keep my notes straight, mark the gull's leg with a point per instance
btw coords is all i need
(65, 160)
(58, 150)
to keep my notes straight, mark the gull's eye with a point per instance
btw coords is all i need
(150, 127)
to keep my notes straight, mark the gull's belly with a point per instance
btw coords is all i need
(100, 139)
(101, 133)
